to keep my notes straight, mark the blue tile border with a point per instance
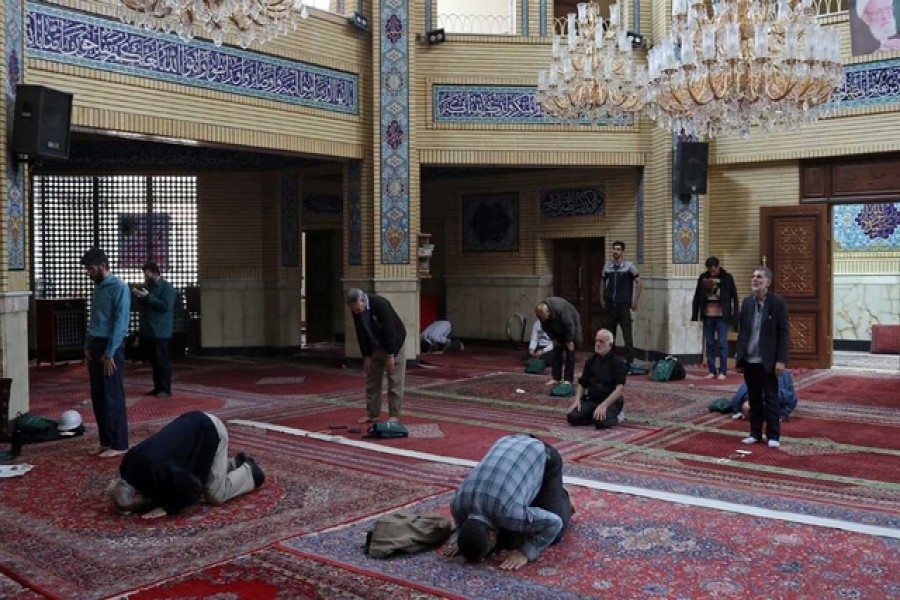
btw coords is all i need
(75, 38)
(15, 187)
(354, 212)
(874, 83)
(394, 130)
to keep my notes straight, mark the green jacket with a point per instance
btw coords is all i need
(158, 310)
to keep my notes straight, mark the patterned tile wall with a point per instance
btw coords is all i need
(70, 37)
(394, 127)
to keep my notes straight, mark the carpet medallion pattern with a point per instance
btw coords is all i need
(626, 547)
(75, 544)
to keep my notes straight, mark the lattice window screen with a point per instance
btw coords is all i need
(132, 218)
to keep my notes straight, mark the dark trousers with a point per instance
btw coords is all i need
(108, 397)
(585, 416)
(715, 331)
(552, 497)
(156, 350)
(556, 365)
(619, 315)
(762, 394)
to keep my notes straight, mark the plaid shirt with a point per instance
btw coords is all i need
(501, 488)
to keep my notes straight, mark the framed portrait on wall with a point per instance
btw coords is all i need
(490, 222)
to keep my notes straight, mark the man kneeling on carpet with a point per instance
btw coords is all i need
(514, 500)
(600, 395)
(172, 468)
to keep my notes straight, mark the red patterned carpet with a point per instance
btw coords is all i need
(300, 535)
(280, 574)
(63, 536)
(620, 546)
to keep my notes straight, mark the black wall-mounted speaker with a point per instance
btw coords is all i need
(693, 159)
(41, 122)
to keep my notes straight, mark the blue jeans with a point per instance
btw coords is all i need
(716, 327)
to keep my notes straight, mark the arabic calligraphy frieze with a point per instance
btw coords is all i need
(869, 84)
(74, 38)
(495, 104)
(576, 202)
(866, 227)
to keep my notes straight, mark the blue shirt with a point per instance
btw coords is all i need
(501, 488)
(110, 312)
(158, 309)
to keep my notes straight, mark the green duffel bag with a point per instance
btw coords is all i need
(722, 405)
(563, 390)
(535, 365)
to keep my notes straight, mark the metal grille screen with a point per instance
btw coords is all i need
(132, 218)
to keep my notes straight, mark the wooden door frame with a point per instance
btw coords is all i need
(818, 302)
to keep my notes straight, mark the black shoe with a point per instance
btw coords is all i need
(152, 393)
(258, 476)
(239, 459)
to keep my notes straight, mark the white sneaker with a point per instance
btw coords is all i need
(749, 440)
(774, 444)
(621, 416)
(737, 416)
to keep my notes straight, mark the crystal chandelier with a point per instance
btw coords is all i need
(247, 20)
(592, 74)
(745, 64)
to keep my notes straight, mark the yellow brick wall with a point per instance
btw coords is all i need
(442, 207)
(730, 213)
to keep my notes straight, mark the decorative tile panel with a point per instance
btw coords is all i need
(685, 215)
(354, 212)
(15, 195)
(290, 221)
(866, 227)
(495, 105)
(869, 84)
(395, 130)
(576, 202)
(71, 37)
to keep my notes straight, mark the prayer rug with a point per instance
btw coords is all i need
(865, 390)
(10, 589)
(279, 574)
(62, 535)
(621, 546)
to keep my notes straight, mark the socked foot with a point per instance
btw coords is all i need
(112, 453)
(367, 419)
(552, 382)
(394, 420)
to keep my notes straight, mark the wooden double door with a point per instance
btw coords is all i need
(577, 264)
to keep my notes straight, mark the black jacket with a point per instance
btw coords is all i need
(379, 327)
(727, 296)
(564, 323)
(774, 334)
(172, 465)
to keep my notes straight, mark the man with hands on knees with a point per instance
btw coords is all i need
(513, 500)
(600, 394)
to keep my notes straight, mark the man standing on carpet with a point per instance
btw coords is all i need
(620, 292)
(716, 302)
(157, 303)
(169, 470)
(381, 337)
(761, 353)
(600, 394)
(560, 319)
(513, 499)
(105, 353)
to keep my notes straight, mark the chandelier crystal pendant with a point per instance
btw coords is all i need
(593, 74)
(745, 64)
(247, 20)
